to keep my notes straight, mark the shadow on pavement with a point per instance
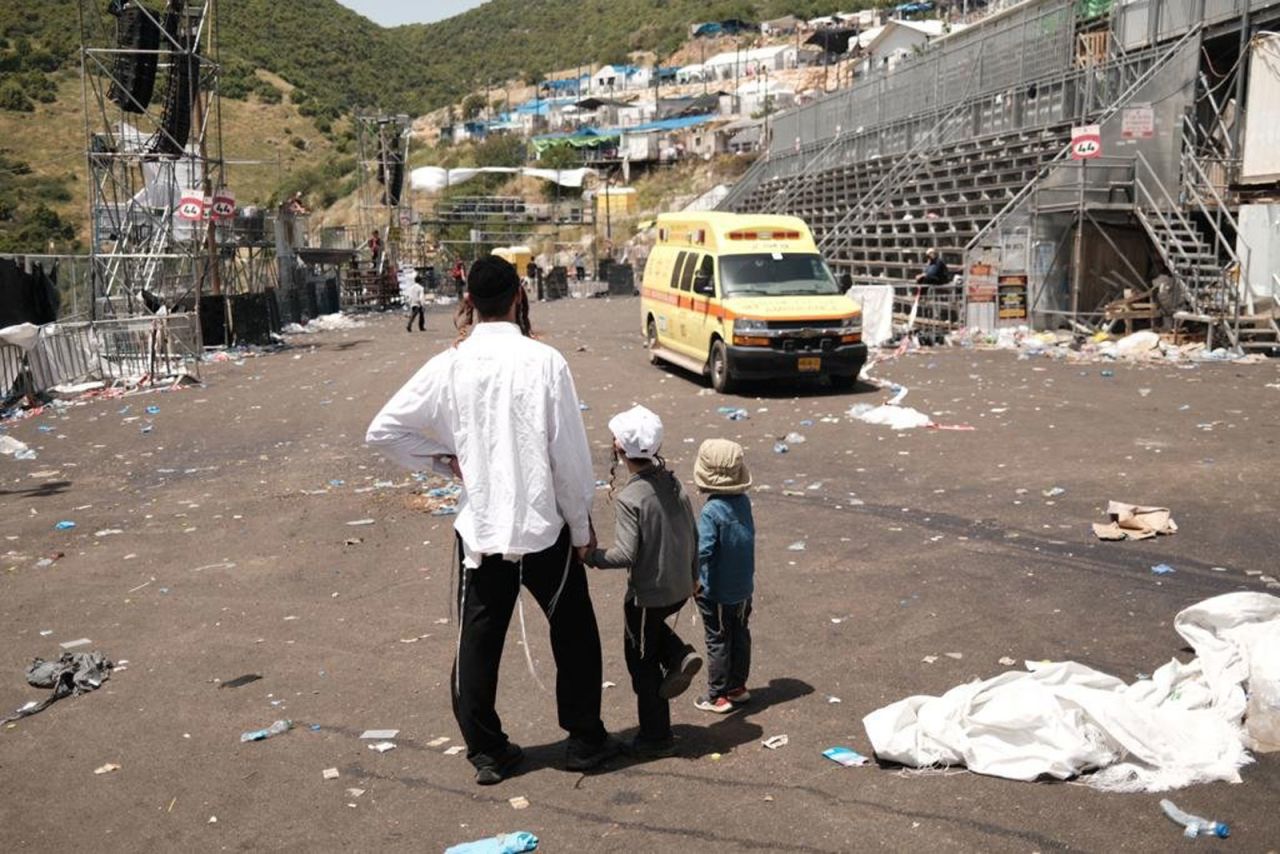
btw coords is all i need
(44, 490)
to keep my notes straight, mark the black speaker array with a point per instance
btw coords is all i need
(184, 81)
(134, 78)
(390, 173)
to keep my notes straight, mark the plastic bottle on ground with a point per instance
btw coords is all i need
(1194, 825)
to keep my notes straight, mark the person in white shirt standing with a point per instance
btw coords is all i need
(414, 298)
(499, 410)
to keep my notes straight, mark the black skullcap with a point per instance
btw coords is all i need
(492, 277)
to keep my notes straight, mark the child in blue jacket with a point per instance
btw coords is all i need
(727, 566)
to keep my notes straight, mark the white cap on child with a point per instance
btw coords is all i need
(638, 431)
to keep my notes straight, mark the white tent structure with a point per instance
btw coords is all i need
(436, 178)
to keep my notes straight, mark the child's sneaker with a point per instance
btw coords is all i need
(679, 679)
(739, 695)
(719, 706)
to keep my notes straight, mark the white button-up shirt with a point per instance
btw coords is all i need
(506, 407)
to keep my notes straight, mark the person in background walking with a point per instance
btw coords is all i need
(375, 249)
(459, 279)
(499, 411)
(415, 298)
(657, 543)
(579, 267)
(727, 567)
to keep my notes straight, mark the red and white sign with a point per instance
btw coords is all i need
(191, 205)
(1086, 142)
(224, 204)
(1138, 122)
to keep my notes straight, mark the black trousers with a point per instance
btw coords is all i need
(728, 645)
(486, 600)
(652, 650)
(420, 313)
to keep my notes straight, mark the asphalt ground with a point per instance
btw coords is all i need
(232, 559)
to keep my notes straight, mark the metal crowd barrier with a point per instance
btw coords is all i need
(135, 348)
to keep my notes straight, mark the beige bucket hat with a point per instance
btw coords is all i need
(720, 468)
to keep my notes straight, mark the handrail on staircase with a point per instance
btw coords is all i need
(1123, 98)
(877, 195)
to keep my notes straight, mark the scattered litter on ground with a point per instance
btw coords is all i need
(323, 323)
(1193, 825)
(72, 674)
(72, 644)
(734, 413)
(845, 756)
(262, 734)
(354, 793)
(11, 447)
(1162, 569)
(356, 523)
(455, 750)
(382, 746)
(379, 734)
(929, 659)
(794, 439)
(507, 843)
(329, 773)
(955, 655)
(797, 546)
(441, 741)
(1134, 522)
(773, 742)
(64, 525)
(1006, 661)
(1053, 492)
(519, 802)
(780, 448)
(1060, 719)
(833, 700)
(106, 769)
(896, 417)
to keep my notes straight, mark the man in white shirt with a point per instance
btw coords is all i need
(499, 411)
(413, 297)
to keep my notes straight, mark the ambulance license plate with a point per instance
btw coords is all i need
(810, 364)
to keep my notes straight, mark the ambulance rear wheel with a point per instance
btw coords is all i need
(651, 339)
(719, 368)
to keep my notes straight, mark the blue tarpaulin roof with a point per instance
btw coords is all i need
(678, 123)
(564, 85)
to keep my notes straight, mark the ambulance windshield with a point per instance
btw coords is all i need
(776, 274)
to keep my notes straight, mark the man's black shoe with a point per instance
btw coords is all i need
(652, 748)
(497, 768)
(582, 756)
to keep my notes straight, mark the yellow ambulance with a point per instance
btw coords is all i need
(747, 296)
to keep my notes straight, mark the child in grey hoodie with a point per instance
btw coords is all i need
(656, 541)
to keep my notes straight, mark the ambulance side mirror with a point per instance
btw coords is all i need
(703, 285)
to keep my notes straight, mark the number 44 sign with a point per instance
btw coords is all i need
(1086, 142)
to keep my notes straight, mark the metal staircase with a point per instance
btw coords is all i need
(1132, 83)
(1196, 238)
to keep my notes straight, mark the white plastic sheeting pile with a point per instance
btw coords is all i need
(1181, 726)
(890, 415)
(323, 323)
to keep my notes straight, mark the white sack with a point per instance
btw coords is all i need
(877, 312)
(1181, 726)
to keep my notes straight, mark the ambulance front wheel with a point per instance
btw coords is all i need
(718, 365)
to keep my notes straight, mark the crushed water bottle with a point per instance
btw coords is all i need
(1194, 825)
(260, 734)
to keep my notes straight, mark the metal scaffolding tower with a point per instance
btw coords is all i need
(155, 163)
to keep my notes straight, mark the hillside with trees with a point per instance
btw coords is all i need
(293, 71)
